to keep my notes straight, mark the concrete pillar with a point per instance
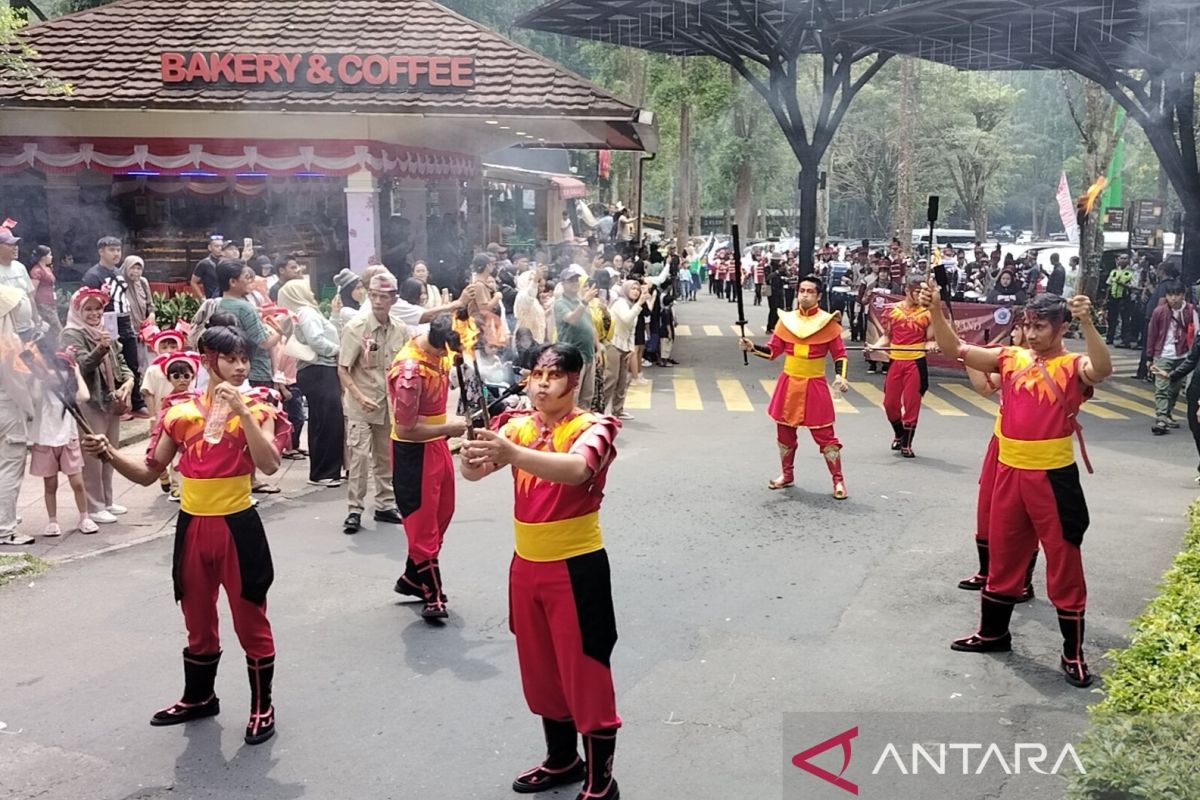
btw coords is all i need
(362, 219)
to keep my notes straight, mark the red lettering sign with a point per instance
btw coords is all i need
(320, 71)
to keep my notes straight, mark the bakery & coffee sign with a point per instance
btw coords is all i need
(319, 71)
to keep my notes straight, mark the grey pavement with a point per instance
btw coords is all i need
(735, 605)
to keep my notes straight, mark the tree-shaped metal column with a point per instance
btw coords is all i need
(1145, 53)
(763, 40)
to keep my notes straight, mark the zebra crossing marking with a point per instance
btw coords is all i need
(1137, 391)
(940, 406)
(1117, 400)
(638, 397)
(867, 390)
(687, 395)
(683, 330)
(734, 395)
(713, 330)
(969, 395)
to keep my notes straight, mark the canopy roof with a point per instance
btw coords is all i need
(749, 28)
(1033, 34)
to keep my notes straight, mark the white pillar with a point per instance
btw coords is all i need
(362, 219)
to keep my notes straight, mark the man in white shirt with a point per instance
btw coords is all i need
(14, 274)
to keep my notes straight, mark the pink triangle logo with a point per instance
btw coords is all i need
(801, 760)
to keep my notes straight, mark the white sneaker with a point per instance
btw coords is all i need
(625, 415)
(15, 539)
(328, 483)
(103, 517)
(52, 530)
(117, 509)
(88, 525)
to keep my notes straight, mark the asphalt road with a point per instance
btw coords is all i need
(735, 605)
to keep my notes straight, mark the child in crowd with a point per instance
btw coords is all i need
(56, 448)
(180, 369)
(155, 385)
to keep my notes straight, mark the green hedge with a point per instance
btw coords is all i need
(1144, 740)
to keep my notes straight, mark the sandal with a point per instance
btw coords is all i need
(294, 455)
(16, 539)
(265, 488)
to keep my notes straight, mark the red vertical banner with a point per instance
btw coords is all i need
(603, 163)
(980, 324)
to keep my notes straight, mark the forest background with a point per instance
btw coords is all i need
(992, 145)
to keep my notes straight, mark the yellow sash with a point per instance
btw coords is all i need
(1036, 453)
(214, 497)
(436, 419)
(797, 367)
(558, 540)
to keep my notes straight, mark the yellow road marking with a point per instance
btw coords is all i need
(768, 385)
(868, 391)
(687, 395)
(713, 330)
(1145, 394)
(1124, 402)
(1101, 411)
(683, 330)
(734, 395)
(940, 406)
(638, 397)
(969, 395)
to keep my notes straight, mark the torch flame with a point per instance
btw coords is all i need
(1087, 200)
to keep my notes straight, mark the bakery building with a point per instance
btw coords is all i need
(343, 133)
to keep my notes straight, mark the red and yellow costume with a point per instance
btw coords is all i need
(801, 398)
(1037, 497)
(907, 329)
(220, 541)
(560, 597)
(422, 471)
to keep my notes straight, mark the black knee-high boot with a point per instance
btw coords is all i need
(898, 429)
(199, 699)
(1070, 623)
(1027, 595)
(995, 612)
(431, 583)
(562, 765)
(977, 581)
(598, 749)
(262, 713)
(910, 433)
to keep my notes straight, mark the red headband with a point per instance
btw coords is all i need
(88, 293)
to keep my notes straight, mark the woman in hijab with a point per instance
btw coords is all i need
(141, 309)
(110, 384)
(318, 380)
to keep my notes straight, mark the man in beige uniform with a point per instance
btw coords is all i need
(369, 343)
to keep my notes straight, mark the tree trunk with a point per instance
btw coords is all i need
(806, 228)
(902, 214)
(684, 183)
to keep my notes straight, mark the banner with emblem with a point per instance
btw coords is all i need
(980, 324)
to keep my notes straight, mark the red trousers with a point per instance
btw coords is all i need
(1031, 506)
(423, 480)
(788, 436)
(209, 561)
(987, 481)
(562, 616)
(905, 383)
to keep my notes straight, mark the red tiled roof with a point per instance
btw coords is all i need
(111, 55)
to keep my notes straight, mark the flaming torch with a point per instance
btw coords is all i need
(1083, 209)
(1087, 201)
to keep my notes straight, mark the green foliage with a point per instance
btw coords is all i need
(17, 58)
(20, 565)
(1146, 732)
(167, 310)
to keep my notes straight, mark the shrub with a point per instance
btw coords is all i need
(1145, 735)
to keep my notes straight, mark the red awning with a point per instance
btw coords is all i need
(569, 188)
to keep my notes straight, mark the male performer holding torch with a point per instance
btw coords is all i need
(1037, 496)
(559, 595)
(801, 398)
(905, 337)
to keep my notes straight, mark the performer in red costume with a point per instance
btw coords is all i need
(560, 595)
(422, 469)
(1037, 496)
(801, 399)
(986, 386)
(906, 337)
(219, 538)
